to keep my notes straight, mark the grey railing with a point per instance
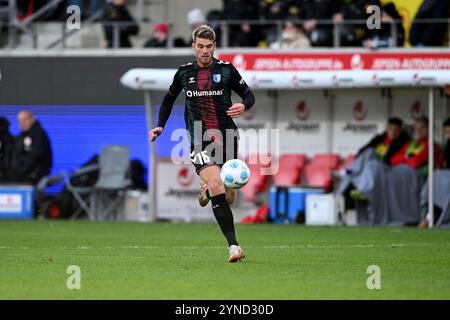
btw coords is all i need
(225, 24)
(65, 34)
(222, 25)
(26, 25)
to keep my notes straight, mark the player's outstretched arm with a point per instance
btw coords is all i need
(166, 107)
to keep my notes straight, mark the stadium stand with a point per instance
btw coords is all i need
(244, 24)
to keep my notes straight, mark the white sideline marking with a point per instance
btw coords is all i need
(300, 246)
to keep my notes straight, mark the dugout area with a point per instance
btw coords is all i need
(311, 105)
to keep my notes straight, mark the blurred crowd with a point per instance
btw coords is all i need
(311, 23)
(290, 24)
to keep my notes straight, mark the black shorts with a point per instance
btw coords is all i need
(212, 153)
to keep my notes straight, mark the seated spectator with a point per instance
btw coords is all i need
(242, 34)
(441, 188)
(426, 34)
(382, 38)
(159, 37)
(446, 144)
(195, 18)
(415, 153)
(6, 148)
(384, 145)
(383, 194)
(351, 34)
(32, 154)
(389, 142)
(272, 10)
(320, 35)
(381, 149)
(116, 15)
(292, 37)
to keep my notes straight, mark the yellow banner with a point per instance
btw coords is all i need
(407, 10)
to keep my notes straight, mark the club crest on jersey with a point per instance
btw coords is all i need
(217, 77)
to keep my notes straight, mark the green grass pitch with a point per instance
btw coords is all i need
(123, 260)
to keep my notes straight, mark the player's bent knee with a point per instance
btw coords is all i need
(216, 187)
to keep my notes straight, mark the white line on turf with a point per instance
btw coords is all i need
(300, 246)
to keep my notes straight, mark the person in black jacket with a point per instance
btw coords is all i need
(159, 36)
(272, 11)
(116, 15)
(244, 34)
(6, 147)
(426, 34)
(382, 38)
(311, 11)
(352, 35)
(32, 154)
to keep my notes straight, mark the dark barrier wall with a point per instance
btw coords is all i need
(78, 80)
(82, 104)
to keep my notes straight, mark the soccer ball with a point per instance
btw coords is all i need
(235, 174)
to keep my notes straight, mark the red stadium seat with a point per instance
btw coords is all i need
(318, 176)
(318, 171)
(258, 182)
(330, 160)
(290, 170)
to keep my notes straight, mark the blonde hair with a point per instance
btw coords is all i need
(203, 32)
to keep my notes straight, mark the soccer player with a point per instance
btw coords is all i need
(209, 112)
